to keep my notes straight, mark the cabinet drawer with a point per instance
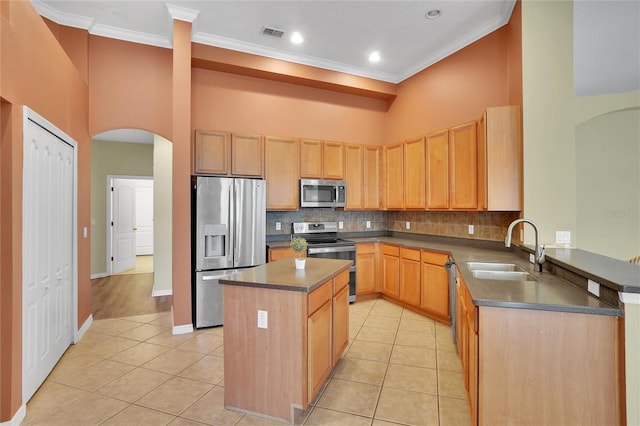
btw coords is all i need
(411, 254)
(435, 258)
(365, 248)
(319, 296)
(340, 281)
(391, 250)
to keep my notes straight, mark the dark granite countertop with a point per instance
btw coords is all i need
(550, 292)
(283, 275)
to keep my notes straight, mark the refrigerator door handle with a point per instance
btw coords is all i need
(232, 226)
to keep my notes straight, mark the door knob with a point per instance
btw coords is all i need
(135, 228)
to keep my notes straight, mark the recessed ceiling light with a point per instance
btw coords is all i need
(374, 56)
(432, 14)
(296, 37)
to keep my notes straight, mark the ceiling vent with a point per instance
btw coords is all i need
(272, 32)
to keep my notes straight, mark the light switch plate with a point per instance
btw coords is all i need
(278, 226)
(563, 237)
(407, 225)
(593, 287)
(368, 224)
(340, 225)
(471, 230)
(262, 319)
(532, 258)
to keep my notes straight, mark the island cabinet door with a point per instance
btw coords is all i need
(340, 323)
(319, 351)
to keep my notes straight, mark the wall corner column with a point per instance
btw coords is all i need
(181, 106)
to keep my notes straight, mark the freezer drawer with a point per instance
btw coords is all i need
(208, 298)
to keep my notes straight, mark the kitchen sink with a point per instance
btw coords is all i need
(491, 266)
(499, 271)
(503, 275)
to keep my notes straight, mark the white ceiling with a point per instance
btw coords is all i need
(338, 35)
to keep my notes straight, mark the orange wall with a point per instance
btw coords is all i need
(222, 101)
(453, 91)
(34, 71)
(514, 52)
(130, 86)
(181, 199)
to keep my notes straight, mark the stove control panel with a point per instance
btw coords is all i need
(314, 227)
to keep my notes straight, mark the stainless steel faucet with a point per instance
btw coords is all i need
(539, 255)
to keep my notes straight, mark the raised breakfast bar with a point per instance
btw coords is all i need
(284, 331)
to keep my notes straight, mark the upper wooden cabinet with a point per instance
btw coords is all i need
(247, 155)
(463, 167)
(500, 159)
(282, 158)
(394, 176)
(372, 165)
(354, 176)
(414, 173)
(211, 152)
(222, 153)
(437, 175)
(311, 154)
(321, 160)
(333, 162)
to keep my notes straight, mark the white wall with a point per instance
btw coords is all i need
(548, 131)
(553, 130)
(162, 230)
(608, 184)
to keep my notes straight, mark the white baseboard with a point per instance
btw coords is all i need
(156, 293)
(18, 418)
(182, 329)
(99, 275)
(83, 329)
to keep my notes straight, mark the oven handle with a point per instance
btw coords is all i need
(330, 249)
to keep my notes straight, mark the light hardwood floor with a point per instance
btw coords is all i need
(126, 295)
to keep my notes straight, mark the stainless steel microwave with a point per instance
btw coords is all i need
(322, 193)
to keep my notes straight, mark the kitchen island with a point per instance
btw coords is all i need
(284, 331)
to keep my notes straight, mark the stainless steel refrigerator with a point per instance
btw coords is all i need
(228, 233)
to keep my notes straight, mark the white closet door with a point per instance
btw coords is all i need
(47, 254)
(144, 217)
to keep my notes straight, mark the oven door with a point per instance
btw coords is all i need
(340, 252)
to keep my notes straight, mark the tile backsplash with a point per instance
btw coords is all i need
(487, 225)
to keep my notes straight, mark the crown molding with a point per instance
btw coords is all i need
(130, 35)
(182, 13)
(62, 18)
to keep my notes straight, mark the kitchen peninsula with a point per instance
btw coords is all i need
(284, 331)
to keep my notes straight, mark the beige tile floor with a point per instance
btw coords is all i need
(400, 368)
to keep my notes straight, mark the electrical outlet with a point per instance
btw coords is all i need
(407, 225)
(532, 258)
(563, 237)
(368, 224)
(340, 225)
(278, 226)
(262, 319)
(593, 287)
(471, 230)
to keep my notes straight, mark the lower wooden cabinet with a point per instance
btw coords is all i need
(390, 270)
(319, 325)
(366, 268)
(282, 252)
(409, 285)
(435, 284)
(327, 329)
(340, 317)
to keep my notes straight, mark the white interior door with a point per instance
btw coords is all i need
(123, 225)
(144, 217)
(47, 254)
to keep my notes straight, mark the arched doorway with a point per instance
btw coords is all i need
(122, 161)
